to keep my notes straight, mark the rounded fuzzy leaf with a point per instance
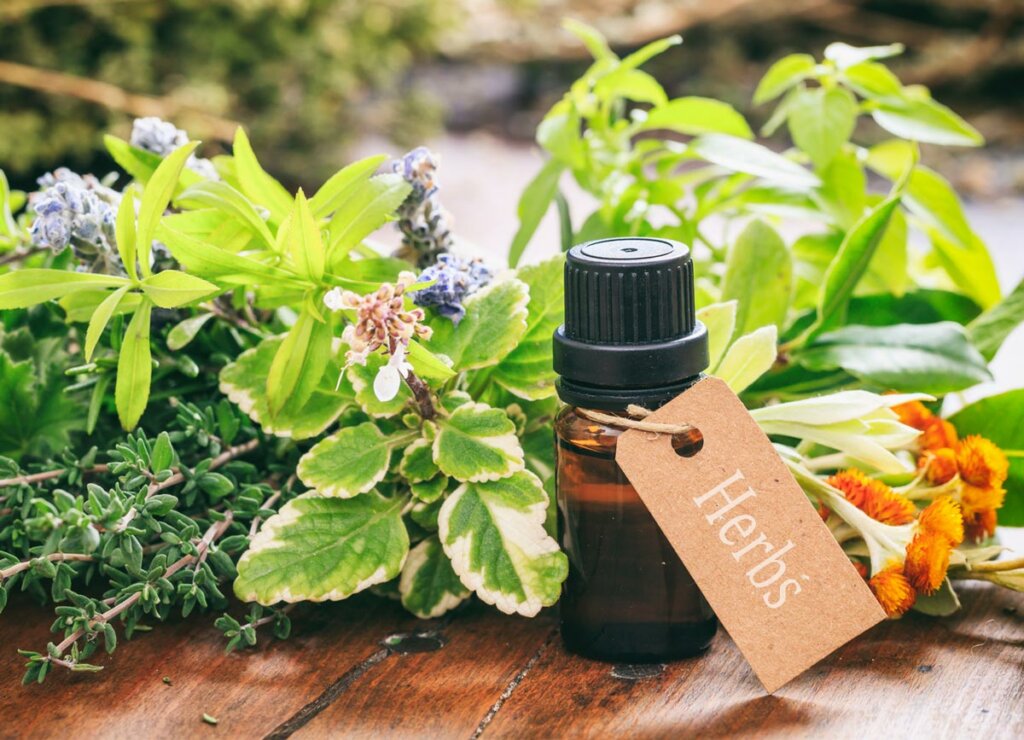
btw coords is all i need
(244, 382)
(324, 549)
(477, 443)
(349, 462)
(494, 323)
(494, 534)
(418, 462)
(428, 585)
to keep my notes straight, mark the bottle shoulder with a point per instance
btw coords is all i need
(573, 428)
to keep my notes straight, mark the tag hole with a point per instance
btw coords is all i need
(688, 444)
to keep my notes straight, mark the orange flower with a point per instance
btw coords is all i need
(940, 529)
(913, 414)
(939, 465)
(942, 517)
(974, 499)
(874, 497)
(893, 590)
(936, 434)
(981, 463)
(980, 525)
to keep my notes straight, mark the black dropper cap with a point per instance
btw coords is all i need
(630, 333)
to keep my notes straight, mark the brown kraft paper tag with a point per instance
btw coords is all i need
(775, 576)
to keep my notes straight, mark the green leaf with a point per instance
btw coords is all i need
(924, 120)
(429, 491)
(305, 247)
(212, 262)
(300, 362)
(926, 358)
(526, 371)
(720, 320)
(324, 549)
(845, 56)
(362, 377)
(694, 116)
(477, 443)
(533, 204)
(29, 286)
(417, 463)
(855, 254)
(784, 74)
(495, 321)
(99, 319)
(990, 329)
(182, 333)
(244, 382)
(1000, 418)
(740, 155)
(134, 369)
(141, 164)
(79, 307)
(349, 462)
(749, 357)
(227, 200)
(630, 84)
(559, 134)
(428, 585)
(844, 189)
(759, 277)
(969, 266)
(426, 364)
(494, 535)
(821, 122)
(872, 80)
(369, 208)
(590, 37)
(258, 186)
(124, 231)
(651, 50)
(343, 184)
(157, 196)
(173, 288)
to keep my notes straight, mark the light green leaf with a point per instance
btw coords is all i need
(124, 231)
(590, 37)
(477, 443)
(429, 491)
(872, 80)
(533, 204)
(924, 120)
(749, 357)
(134, 369)
(182, 333)
(426, 364)
(784, 74)
(79, 307)
(224, 198)
(362, 377)
(1001, 419)
(29, 286)
(349, 462)
(821, 122)
(844, 189)
(630, 84)
(927, 358)
(990, 329)
(428, 585)
(845, 56)
(494, 534)
(969, 266)
(258, 186)
(494, 323)
(559, 134)
(141, 164)
(305, 247)
(157, 196)
(209, 260)
(173, 288)
(740, 155)
(651, 50)
(417, 463)
(365, 211)
(298, 367)
(342, 184)
(694, 116)
(526, 371)
(324, 549)
(244, 382)
(99, 319)
(720, 320)
(759, 276)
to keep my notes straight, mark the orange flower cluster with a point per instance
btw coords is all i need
(981, 465)
(874, 497)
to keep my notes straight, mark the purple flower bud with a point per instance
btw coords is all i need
(455, 278)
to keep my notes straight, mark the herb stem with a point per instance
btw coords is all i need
(421, 392)
(53, 557)
(47, 475)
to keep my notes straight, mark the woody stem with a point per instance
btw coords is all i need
(421, 392)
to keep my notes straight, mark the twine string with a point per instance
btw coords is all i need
(635, 419)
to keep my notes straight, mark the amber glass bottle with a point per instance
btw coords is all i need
(630, 337)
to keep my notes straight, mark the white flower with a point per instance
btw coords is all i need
(389, 377)
(332, 299)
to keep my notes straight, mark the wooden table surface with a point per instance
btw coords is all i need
(363, 668)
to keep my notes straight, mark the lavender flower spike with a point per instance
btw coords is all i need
(163, 137)
(456, 278)
(425, 225)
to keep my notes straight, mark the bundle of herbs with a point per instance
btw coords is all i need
(214, 384)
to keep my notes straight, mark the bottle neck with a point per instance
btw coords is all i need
(617, 399)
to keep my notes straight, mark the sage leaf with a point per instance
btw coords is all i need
(173, 288)
(924, 120)
(741, 155)
(134, 369)
(495, 321)
(759, 277)
(494, 534)
(783, 75)
(324, 549)
(533, 204)
(349, 462)
(749, 357)
(477, 443)
(821, 122)
(928, 358)
(694, 116)
(428, 585)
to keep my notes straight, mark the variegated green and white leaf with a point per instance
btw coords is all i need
(362, 377)
(431, 490)
(494, 323)
(244, 381)
(428, 585)
(324, 549)
(418, 462)
(494, 534)
(477, 443)
(349, 462)
(424, 514)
